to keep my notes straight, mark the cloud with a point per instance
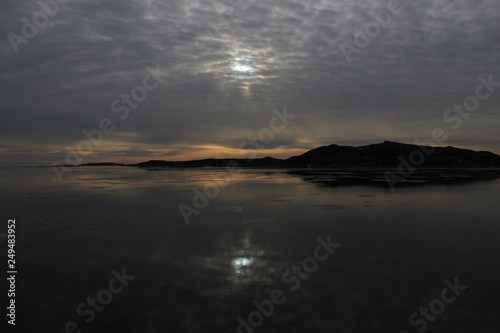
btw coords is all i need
(230, 62)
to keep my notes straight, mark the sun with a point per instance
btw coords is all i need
(243, 66)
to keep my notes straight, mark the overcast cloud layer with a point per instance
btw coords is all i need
(227, 64)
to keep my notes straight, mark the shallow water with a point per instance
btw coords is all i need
(396, 250)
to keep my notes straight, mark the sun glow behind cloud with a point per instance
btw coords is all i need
(243, 66)
(229, 65)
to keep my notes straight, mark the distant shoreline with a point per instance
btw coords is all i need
(382, 155)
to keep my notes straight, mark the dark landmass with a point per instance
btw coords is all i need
(383, 155)
(266, 162)
(385, 164)
(392, 154)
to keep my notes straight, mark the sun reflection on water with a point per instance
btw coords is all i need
(242, 265)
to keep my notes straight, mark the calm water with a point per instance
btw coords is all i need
(396, 250)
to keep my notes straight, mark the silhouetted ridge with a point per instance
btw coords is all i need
(212, 162)
(390, 154)
(381, 155)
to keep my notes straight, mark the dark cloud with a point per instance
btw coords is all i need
(230, 62)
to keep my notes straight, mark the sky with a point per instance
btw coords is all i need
(204, 76)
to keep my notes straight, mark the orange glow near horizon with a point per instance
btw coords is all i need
(128, 153)
(202, 152)
(118, 152)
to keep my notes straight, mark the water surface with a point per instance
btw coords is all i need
(396, 250)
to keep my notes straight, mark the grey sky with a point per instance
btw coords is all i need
(229, 63)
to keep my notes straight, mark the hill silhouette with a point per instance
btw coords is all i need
(382, 155)
(391, 154)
